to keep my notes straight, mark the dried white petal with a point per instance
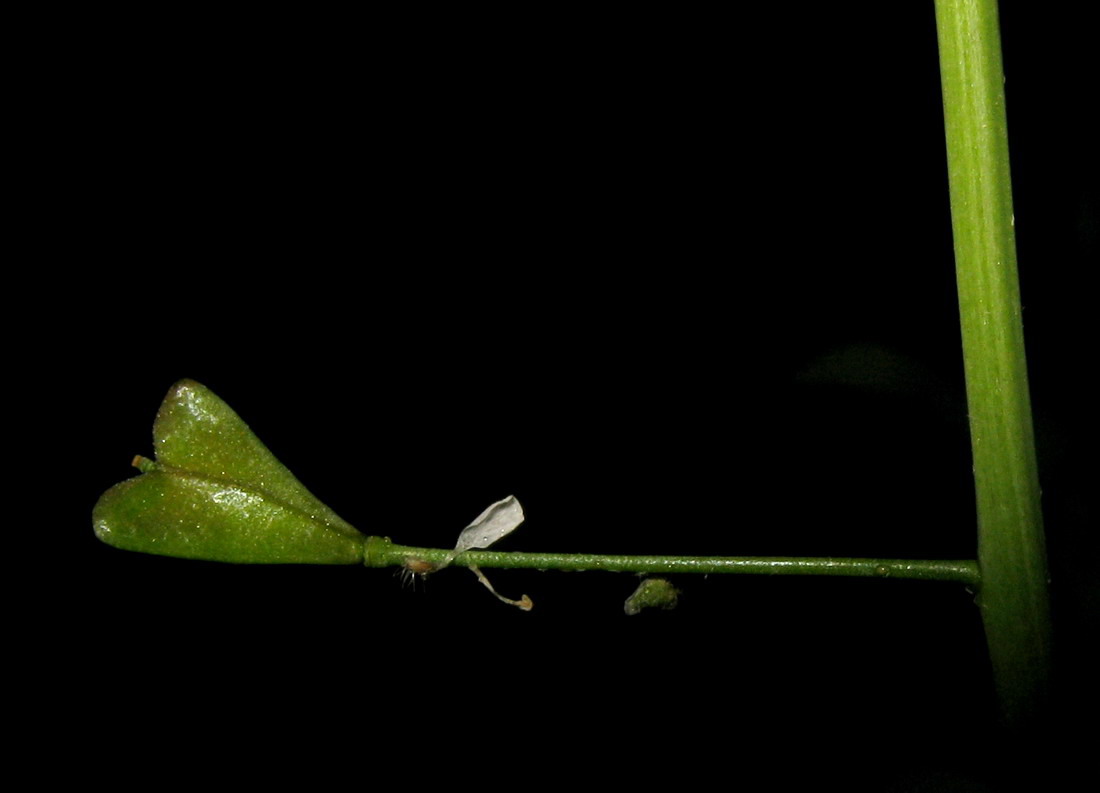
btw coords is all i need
(499, 520)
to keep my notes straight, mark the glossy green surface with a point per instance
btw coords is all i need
(217, 493)
(1011, 546)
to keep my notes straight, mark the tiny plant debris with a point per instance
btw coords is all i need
(652, 593)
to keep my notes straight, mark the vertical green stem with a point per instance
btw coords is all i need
(1011, 552)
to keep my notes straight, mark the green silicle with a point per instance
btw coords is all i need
(215, 492)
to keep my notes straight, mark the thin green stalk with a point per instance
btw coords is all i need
(1011, 554)
(380, 552)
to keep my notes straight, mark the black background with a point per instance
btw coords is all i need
(599, 263)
